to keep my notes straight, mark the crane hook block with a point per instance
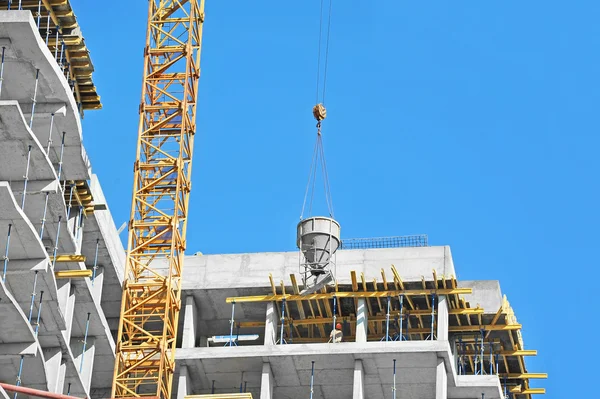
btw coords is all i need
(319, 112)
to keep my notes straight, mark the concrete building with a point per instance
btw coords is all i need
(473, 346)
(410, 328)
(60, 248)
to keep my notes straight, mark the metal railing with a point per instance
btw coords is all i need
(419, 240)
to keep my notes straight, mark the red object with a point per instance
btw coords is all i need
(35, 392)
(338, 326)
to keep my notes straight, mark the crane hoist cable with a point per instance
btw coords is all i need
(320, 113)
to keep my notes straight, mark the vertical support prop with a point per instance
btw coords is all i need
(95, 267)
(334, 315)
(62, 151)
(47, 28)
(33, 294)
(230, 342)
(44, 216)
(394, 387)
(35, 90)
(39, 13)
(312, 379)
(401, 317)
(19, 375)
(50, 134)
(70, 205)
(491, 359)
(481, 353)
(37, 321)
(87, 327)
(2, 69)
(6, 253)
(212, 389)
(56, 43)
(282, 321)
(432, 315)
(26, 177)
(387, 320)
(55, 250)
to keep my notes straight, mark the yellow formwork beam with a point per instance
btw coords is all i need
(73, 273)
(68, 258)
(221, 396)
(330, 295)
(522, 376)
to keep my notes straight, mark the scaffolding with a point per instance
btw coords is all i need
(483, 342)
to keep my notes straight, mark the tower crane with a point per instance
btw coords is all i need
(147, 332)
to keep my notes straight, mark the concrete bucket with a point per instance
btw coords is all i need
(318, 238)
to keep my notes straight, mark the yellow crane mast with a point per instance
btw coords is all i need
(145, 353)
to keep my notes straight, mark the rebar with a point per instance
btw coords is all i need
(44, 215)
(2, 69)
(6, 253)
(87, 326)
(26, 177)
(37, 322)
(35, 89)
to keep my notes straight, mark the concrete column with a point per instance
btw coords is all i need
(267, 382)
(362, 319)
(184, 387)
(190, 323)
(441, 380)
(358, 390)
(271, 324)
(442, 318)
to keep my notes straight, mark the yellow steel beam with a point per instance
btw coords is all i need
(73, 273)
(147, 332)
(330, 295)
(521, 376)
(68, 258)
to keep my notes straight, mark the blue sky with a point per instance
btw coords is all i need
(473, 122)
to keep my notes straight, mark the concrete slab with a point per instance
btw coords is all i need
(416, 363)
(16, 137)
(26, 53)
(15, 327)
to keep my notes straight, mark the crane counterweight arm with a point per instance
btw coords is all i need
(145, 354)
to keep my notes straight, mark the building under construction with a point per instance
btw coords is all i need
(339, 318)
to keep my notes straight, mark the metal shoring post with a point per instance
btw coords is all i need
(6, 253)
(282, 321)
(33, 295)
(50, 134)
(9, 3)
(505, 389)
(491, 359)
(387, 320)
(394, 387)
(19, 375)
(20, 1)
(2, 69)
(62, 151)
(212, 390)
(496, 356)
(79, 224)
(37, 322)
(401, 316)
(56, 43)
(95, 262)
(47, 28)
(39, 13)
(481, 351)
(245, 385)
(87, 326)
(70, 202)
(26, 177)
(312, 379)
(69, 389)
(432, 314)
(35, 89)
(476, 350)
(56, 243)
(230, 343)
(334, 315)
(62, 50)
(460, 356)
(44, 215)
